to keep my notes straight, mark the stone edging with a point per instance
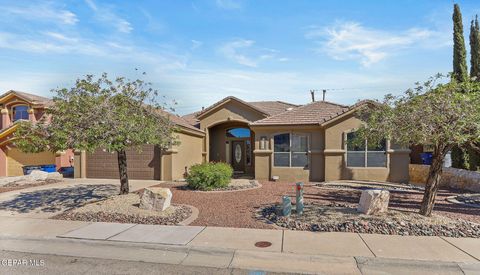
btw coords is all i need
(224, 191)
(452, 199)
(192, 217)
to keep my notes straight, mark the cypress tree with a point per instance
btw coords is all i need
(459, 53)
(475, 49)
(474, 156)
(460, 74)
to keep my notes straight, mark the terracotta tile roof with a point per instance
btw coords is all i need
(34, 99)
(179, 121)
(192, 118)
(273, 107)
(182, 122)
(310, 114)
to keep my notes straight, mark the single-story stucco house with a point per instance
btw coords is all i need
(263, 140)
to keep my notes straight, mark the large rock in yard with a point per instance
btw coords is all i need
(155, 198)
(54, 176)
(374, 202)
(38, 175)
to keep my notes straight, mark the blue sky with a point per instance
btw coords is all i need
(197, 52)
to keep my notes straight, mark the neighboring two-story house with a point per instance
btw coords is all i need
(16, 106)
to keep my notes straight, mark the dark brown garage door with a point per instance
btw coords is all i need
(143, 165)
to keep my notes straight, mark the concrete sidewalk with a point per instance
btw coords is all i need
(290, 251)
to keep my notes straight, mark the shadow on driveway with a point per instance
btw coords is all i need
(56, 199)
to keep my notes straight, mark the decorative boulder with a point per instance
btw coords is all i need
(38, 175)
(54, 176)
(373, 202)
(155, 198)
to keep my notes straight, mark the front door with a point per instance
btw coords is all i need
(238, 156)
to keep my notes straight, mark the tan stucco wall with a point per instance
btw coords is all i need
(166, 166)
(230, 113)
(335, 157)
(188, 153)
(264, 169)
(17, 159)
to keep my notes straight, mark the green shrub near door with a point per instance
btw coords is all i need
(208, 176)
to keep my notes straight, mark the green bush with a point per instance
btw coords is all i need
(208, 176)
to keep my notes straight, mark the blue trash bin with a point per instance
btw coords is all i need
(426, 158)
(27, 169)
(49, 168)
(67, 172)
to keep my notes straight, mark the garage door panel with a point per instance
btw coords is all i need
(140, 165)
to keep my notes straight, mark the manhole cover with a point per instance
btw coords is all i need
(263, 244)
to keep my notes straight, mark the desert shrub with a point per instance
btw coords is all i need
(208, 176)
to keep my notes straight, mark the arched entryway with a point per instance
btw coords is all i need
(232, 142)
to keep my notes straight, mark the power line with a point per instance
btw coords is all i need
(359, 88)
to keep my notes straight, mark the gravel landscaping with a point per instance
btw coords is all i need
(18, 186)
(364, 185)
(345, 218)
(240, 209)
(124, 209)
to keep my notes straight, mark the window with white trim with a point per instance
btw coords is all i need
(366, 155)
(290, 150)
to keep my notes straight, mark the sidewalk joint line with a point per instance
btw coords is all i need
(71, 230)
(231, 260)
(108, 239)
(184, 258)
(357, 264)
(441, 237)
(195, 235)
(375, 255)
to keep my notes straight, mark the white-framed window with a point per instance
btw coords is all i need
(290, 150)
(366, 155)
(20, 112)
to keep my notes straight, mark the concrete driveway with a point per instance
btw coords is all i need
(49, 200)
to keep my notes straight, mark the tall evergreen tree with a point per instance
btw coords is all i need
(475, 49)
(473, 156)
(460, 72)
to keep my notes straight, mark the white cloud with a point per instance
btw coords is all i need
(106, 15)
(60, 37)
(40, 12)
(231, 50)
(228, 4)
(196, 44)
(244, 52)
(352, 41)
(118, 51)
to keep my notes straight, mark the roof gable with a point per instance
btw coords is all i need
(27, 97)
(221, 103)
(348, 111)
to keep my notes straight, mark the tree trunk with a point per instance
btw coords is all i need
(122, 168)
(433, 182)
